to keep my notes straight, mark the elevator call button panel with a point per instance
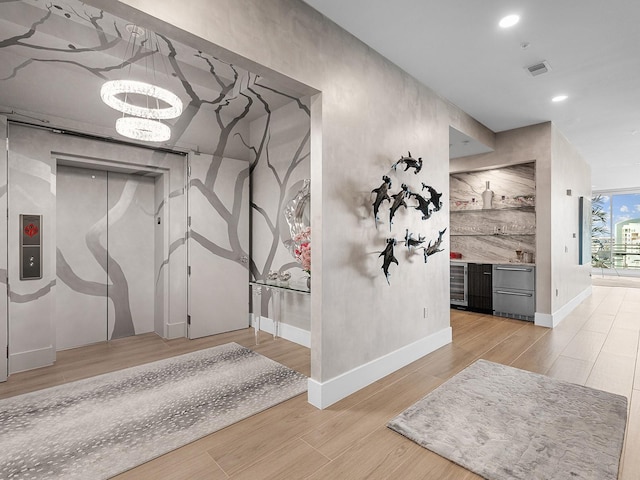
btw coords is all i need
(30, 247)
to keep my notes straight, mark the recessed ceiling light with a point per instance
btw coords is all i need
(509, 21)
(559, 98)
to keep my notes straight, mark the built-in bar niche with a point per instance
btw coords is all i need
(492, 214)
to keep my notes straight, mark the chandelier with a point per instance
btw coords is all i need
(110, 91)
(143, 129)
(142, 104)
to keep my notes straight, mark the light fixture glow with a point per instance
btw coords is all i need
(509, 21)
(111, 89)
(143, 129)
(559, 98)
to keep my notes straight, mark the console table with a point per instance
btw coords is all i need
(277, 289)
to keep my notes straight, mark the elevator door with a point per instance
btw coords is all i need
(105, 256)
(218, 245)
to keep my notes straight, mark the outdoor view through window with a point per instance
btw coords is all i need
(615, 231)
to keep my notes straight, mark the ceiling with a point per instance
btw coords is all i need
(55, 57)
(457, 48)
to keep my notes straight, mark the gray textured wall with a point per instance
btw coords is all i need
(372, 112)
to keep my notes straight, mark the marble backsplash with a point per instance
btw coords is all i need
(494, 249)
(513, 186)
(494, 234)
(520, 221)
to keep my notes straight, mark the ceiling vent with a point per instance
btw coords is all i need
(539, 68)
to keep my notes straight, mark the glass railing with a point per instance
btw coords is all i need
(615, 255)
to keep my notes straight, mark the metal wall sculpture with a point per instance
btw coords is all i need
(389, 257)
(426, 205)
(409, 162)
(398, 201)
(381, 195)
(431, 249)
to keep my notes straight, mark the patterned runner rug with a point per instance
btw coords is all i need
(102, 426)
(504, 424)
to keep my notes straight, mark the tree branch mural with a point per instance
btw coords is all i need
(117, 288)
(239, 99)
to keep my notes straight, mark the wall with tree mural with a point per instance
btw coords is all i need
(281, 146)
(229, 113)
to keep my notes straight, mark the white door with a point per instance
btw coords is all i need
(218, 245)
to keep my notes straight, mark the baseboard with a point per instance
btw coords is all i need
(22, 361)
(553, 320)
(176, 330)
(286, 331)
(322, 395)
(543, 320)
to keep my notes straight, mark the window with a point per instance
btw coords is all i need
(615, 231)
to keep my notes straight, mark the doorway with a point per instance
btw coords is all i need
(106, 232)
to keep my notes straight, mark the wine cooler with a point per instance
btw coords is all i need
(459, 284)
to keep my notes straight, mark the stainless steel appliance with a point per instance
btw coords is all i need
(514, 291)
(459, 284)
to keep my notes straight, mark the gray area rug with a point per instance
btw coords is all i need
(102, 426)
(504, 423)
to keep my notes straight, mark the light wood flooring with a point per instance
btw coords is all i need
(597, 345)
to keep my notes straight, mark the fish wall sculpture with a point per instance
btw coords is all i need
(398, 201)
(382, 194)
(433, 249)
(412, 243)
(423, 205)
(388, 257)
(426, 205)
(409, 162)
(434, 197)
